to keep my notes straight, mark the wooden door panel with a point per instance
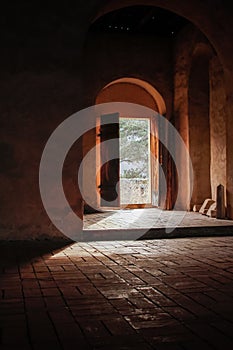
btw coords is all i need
(110, 162)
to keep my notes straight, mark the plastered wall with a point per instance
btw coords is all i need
(217, 126)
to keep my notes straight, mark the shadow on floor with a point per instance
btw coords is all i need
(13, 253)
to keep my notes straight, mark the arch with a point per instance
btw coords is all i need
(148, 88)
(191, 12)
(112, 5)
(197, 12)
(138, 91)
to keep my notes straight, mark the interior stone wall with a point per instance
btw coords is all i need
(199, 118)
(228, 75)
(217, 126)
(183, 47)
(40, 86)
(109, 57)
(199, 127)
(32, 105)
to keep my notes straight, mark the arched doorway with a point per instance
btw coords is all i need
(138, 148)
(111, 9)
(152, 59)
(135, 91)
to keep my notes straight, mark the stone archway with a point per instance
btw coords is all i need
(147, 94)
(197, 12)
(137, 91)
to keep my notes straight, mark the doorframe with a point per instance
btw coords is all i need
(156, 149)
(141, 205)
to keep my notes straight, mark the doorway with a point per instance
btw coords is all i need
(127, 174)
(124, 159)
(135, 164)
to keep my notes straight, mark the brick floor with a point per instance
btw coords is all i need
(159, 294)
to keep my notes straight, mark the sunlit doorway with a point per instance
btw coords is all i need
(113, 196)
(135, 167)
(127, 166)
(130, 90)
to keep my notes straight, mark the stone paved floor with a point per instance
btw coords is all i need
(160, 294)
(149, 218)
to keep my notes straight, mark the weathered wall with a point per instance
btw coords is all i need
(199, 127)
(217, 126)
(182, 60)
(199, 100)
(40, 86)
(112, 56)
(228, 75)
(32, 105)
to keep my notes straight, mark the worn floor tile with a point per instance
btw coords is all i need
(158, 294)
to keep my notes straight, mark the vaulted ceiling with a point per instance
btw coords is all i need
(147, 20)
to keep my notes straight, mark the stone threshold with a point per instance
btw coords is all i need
(156, 233)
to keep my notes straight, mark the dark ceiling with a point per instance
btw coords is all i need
(34, 24)
(147, 20)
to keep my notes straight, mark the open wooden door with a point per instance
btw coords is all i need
(154, 146)
(109, 178)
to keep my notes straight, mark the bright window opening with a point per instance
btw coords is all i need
(135, 172)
